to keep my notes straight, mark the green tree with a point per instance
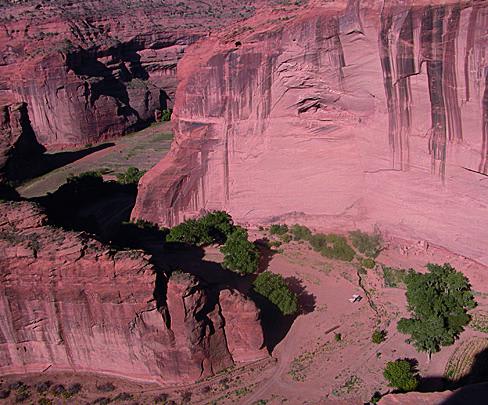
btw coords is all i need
(274, 288)
(438, 302)
(401, 374)
(240, 255)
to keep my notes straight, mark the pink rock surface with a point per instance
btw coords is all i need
(96, 69)
(337, 116)
(67, 302)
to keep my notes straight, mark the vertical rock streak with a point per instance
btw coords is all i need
(483, 167)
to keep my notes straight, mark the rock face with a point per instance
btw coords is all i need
(96, 69)
(69, 303)
(345, 115)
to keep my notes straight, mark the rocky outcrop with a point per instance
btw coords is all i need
(17, 140)
(338, 116)
(67, 302)
(96, 69)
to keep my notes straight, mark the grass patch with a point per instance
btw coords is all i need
(332, 246)
(369, 245)
(393, 277)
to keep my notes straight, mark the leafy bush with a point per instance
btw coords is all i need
(378, 336)
(107, 387)
(274, 288)
(277, 229)
(300, 232)
(131, 176)
(332, 246)
(166, 115)
(216, 226)
(438, 301)
(369, 245)
(401, 374)
(240, 255)
(337, 337)
(368, 262)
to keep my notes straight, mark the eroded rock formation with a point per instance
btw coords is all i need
(339, 115)
(69, 302)
(96, 69)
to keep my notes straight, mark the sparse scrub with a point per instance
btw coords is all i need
(166, 115)
(332, 246)
(378, 336)
(107, 387)
(286, 238)
(402, 375)
(395, 278)
(131, 176)
(274, 288)
(369, 245)
(300, 232)
(479, 321)
(438, 301)
(277, 229)
(368, 263)
(240, 255)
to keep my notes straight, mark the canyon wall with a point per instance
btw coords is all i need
(69, 303)
(96, 69)
(337, 116)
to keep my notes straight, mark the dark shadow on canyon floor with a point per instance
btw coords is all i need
(38, 165)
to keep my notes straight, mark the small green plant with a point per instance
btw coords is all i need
(300, 232)
(368, 263)
(131, 176)
(240, 255)
(378, 336)
(286, 238)
(394, 278)
(274, 288)
(369, 245)
(332, 246)
(166, 115)
(277, 229)
(337, 337)
(402, 375)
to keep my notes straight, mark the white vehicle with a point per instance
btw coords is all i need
(355, 298)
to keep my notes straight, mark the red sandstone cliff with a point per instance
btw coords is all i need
(95, 69)
(337, 116)
(68, 302)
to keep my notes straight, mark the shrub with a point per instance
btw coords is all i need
(277, 229)
(131, 176)
(337, 337)
(240, 255)
(216, 226)
(4, 393)
(107, 387)
(401, 374)
(274, 288)
(369, 263)
(45, 401)
(58, 389)
(369, 245)
(378, 336)
(332, 246)
(438, 301)
(102, 401)
(43, 387)
(123, 396)
(300, 232)
(166, 115)
(72, 390)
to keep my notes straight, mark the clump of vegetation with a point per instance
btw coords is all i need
(395, 278)
(369, 245)
(166, 115)
(337, 337)
(4, 393)
(107, 387)
(277, 229)
(402, 375)
(274, 288)
(131, 176)
(240, 255)
(286, 238)
(213, 227)
(123, 396)
(378, 336)
(438, 301)
(300, 232)
(368, 263)
(479, 321)
(332, 246)
(43, 387)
